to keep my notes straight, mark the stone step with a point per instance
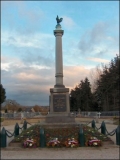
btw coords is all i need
(60, 119)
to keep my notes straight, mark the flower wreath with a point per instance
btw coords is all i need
(30, 143)
(93, 141)
(53, 142)
(71, 142)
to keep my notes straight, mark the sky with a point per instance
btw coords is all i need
(91, 38)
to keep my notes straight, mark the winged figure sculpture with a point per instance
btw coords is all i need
(58, 19)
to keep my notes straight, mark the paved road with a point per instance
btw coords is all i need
(104, 152)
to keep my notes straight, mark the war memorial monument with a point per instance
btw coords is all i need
(59, 95)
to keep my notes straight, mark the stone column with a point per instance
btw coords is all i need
(58, 32)
(59, 95)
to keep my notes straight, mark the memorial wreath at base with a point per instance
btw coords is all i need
(93, 141)
(71, 142)
(54, 142)
(30, 143)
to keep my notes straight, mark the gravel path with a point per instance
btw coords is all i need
(71, 153)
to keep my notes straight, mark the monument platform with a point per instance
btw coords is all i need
(60, 119)
(59, 125)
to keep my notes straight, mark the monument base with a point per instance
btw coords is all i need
(59, 106)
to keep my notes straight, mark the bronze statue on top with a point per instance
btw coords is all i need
(58, 19)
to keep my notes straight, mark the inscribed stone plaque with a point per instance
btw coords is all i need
(59, 103)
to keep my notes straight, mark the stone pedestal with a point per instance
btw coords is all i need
(59, 106)
(59, 101)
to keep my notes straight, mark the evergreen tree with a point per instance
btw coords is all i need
(2, 96)
(108, 85)
(81, 96)
(106, 95)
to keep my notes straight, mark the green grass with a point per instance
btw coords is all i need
(61, 133)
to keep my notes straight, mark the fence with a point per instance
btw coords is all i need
(102, 113)
(110, 113)
(34, 114)
(5, 133)
(105, 131)
(20, 115)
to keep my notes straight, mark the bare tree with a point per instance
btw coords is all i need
(95, 76)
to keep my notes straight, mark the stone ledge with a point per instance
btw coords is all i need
(59, 125)
(60, 119)
(15, 144)
(59, 90)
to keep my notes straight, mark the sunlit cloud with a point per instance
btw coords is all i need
(73, 75)
(100, 60)
(35, 80)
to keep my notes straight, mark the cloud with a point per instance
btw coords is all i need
(36, 49)
(37, 40)
(97, 41)
(68, 22)
(92, 37)
(98, 60)
(8, 61)
(32, 16)
(30, 85)
(74, 74)
(28, 72)
(98, 33)
(30, 20)
(38, 59)
(6, 4)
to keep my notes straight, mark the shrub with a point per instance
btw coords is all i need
(19, 109)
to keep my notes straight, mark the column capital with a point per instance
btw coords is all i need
(58, 32)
